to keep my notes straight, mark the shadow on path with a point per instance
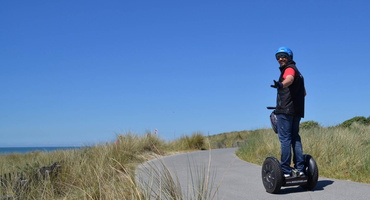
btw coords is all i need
(320, 186)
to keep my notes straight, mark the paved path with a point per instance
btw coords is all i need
(235, 179)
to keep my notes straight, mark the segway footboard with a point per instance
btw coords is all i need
(291, 181)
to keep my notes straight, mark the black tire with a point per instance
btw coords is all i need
(311, 171)
(272, 175)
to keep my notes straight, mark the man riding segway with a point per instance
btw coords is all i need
(289, 111)
(285, 119)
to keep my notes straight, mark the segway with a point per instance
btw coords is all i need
(273, 177)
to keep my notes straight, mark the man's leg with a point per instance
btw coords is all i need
(284, 125)
(297, 145)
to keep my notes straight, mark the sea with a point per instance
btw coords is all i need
(23, 150)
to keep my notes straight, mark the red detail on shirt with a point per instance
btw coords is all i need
(288, 71)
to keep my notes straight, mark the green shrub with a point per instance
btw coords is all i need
(309, 124)
(359, 119)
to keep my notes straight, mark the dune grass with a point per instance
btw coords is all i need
(107, 171)
(158, 182)
(104, 171)
(341, 153)
(228, 140)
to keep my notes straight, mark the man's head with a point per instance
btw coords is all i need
(284, 55)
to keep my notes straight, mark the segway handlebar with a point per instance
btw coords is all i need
(271, 108)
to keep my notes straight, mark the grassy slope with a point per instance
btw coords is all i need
(97, 172)
(341, 153)
(107, 171)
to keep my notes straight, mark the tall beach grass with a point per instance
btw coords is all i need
(105, 171)
(158, 182)
(340, 152)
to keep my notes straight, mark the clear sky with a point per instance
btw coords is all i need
(80, 72)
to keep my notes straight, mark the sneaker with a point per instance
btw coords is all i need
(297, 173)
(286, 175)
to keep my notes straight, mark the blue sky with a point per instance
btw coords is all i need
(81, 72)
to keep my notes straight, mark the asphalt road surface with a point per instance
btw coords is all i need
(233, 179)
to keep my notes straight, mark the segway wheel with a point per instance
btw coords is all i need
(312, 172)
(272, 175)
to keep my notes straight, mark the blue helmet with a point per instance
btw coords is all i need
(285, 50)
